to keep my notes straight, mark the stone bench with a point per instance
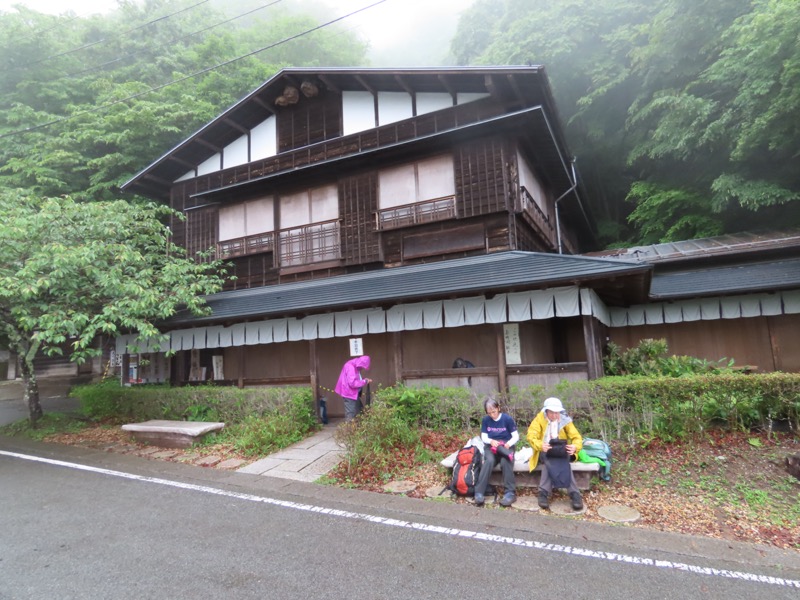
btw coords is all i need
(171, 434)
(525, 478)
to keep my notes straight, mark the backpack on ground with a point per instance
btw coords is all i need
(466, 470)
(599, 449)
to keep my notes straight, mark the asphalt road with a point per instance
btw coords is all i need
(103, 526)
(53, 396)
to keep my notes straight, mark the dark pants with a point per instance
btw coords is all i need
(546, 484)
(489, 461)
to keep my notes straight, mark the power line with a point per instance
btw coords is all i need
(187, 77)
(103, 40)
(167, 43)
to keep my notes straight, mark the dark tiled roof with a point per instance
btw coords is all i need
(760, 276)
(486, 274)
(723, 245)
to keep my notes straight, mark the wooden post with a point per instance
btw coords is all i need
(502, 380)
(240, 377)
(594, 346)
(313, 363)
(397, 356)
(125, 368)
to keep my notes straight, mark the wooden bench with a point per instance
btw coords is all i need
(582, 471)
(171, 434)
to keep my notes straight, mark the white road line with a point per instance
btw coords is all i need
(485, 537)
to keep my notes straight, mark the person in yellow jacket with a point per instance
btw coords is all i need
(553, 423)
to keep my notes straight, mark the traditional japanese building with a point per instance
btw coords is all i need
(415, 215)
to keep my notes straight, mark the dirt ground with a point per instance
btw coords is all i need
(728, 486)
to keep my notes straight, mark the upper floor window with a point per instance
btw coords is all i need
(309, 226)
(417, 192)
(246, 228)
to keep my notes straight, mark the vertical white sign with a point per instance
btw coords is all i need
(217, 364)
(356, 347)
(511, 338)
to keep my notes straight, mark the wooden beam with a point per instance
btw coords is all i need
(329, 83)
(182, 162)
(514, 86)
(203, 142)
(366, 86)
(446, 85)
(240, 378)
(502, 378)
(397, 355)
(264, 105)
(313, 361)
(236, 125)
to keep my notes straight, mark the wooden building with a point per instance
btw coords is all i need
(415, 215)
(735, 296)
(418, 215)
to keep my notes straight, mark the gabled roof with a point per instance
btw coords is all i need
(521, 86)
(486, 274)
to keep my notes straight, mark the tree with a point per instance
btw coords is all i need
(682, 112)
(72, 271)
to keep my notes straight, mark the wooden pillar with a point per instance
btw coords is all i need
(775, 347)
(593, 340)
(502, 379)
(313, 363)
(397, 356)
(240, 376)
(125, 368)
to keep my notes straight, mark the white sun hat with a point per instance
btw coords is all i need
(553, 404)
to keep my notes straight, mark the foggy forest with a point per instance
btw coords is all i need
(682, 114)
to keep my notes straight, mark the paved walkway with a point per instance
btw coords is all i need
(307, 460)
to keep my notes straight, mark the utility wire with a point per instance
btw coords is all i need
(103, 40)
(187, 77)
(165, 44)
(56, 25)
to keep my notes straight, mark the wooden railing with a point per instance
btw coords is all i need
(535, 216)
(251, 244)
(309, 243)
(428, 211)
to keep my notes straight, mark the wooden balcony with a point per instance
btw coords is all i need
(438, 209)
(536, 217)
(309, 243)
(251, 244)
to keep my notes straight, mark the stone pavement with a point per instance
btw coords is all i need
(307, 460)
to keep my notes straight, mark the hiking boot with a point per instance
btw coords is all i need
(508, 499)
(479, 499)
(544, 501)
(577, 501)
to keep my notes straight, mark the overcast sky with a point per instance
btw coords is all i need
(385, 25)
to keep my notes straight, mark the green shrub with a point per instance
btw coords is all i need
(191, 403)
(372, 438)
(649, 358)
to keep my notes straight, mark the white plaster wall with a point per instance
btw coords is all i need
(436, 178)
(264, 140)
(235, 153)
(393, 107)
(324, 203)
(358, 112)
(209, 166)
(431, 101)
(530, 182)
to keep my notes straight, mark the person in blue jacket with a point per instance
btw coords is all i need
(499, 435)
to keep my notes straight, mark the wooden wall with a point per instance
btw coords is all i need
(768, 343)
(309, 121)
(482, 177)
(358, 203)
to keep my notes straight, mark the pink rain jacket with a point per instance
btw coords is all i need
(349, 379)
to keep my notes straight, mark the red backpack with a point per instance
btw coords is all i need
(465, 471)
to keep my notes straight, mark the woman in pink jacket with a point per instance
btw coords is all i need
(350, 384)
